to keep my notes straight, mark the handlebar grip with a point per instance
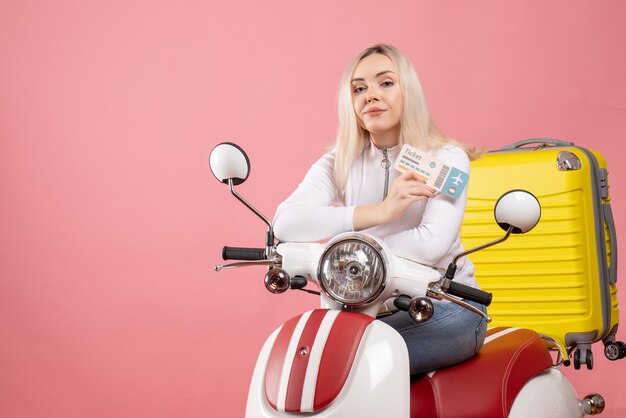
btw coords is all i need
(402, 302)
(470, 293)
(241, 253)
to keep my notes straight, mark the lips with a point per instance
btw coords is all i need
(374, 111)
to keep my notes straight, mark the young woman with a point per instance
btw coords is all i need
(354, 188)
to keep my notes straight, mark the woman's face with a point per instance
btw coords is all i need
(377, 98)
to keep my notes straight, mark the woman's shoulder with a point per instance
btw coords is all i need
(324, 164)
(453, 154)
(328, 158)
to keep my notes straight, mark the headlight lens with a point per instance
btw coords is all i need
(352, 270)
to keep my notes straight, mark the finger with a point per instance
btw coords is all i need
(407, 175)
(415, 198)
(419, 193)
(416, 177)
(419, 188)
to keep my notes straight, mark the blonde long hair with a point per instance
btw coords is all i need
(416, 127)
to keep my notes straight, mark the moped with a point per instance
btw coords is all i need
(340, 361)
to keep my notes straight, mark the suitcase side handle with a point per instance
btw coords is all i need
(608, 218)
(542, 142)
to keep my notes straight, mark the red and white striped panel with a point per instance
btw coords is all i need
(311, 359)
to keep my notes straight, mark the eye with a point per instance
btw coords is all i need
(387, 83)
(358, 89)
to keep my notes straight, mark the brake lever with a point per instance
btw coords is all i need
(271, 262)
(434, 291)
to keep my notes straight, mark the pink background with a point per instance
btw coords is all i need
(111, 221)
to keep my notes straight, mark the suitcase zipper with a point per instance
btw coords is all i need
(385, 163)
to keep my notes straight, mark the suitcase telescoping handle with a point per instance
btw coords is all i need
(608, 218)
(542, 142)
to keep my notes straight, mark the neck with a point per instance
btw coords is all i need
(387, 140)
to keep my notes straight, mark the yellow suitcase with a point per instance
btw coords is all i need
(560, 278)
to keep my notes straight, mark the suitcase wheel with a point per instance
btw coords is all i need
(588, 360)
(615, 350)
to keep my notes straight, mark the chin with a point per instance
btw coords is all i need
(377, 129)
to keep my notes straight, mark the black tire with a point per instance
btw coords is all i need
(622, 349)
(589, 360)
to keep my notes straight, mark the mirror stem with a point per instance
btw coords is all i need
(452, 267)
(270, 229)
(248, 205)
(482, 247)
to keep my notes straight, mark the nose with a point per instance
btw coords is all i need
(372, 95)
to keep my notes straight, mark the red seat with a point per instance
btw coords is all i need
(486, 385)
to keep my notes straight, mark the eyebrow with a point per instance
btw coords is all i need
(376, 76)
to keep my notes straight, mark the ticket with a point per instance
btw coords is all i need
(440, 176)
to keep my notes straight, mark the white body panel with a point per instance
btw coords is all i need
(547, 395)
(377, 386)
(404, 277)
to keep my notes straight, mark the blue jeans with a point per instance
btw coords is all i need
(452, 335)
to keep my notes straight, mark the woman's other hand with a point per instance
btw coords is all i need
(405, 190)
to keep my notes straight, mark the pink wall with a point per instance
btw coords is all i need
(111, 220)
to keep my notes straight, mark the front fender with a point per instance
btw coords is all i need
(355, 366)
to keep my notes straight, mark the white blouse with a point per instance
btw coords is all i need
(428, 233)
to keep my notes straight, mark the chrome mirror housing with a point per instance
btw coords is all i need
(517, 210)
(229, 161)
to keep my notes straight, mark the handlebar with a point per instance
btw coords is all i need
(422, 311)
(242, 253)
(470, 293)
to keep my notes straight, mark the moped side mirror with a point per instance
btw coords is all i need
(519, 210)
(230, 164)
(229, 161)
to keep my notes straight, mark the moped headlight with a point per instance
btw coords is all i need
(352, 270)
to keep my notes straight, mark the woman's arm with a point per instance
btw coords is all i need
(308, 214)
